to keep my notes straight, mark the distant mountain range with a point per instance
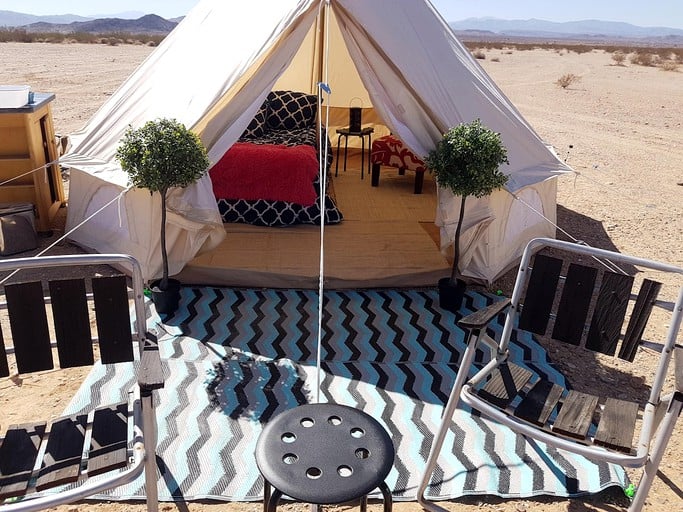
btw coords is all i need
(150, 24)
(471, 28)
(66, 23)
(584, 30)
(18, 19)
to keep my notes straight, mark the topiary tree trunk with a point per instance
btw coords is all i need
(456, 246)
(163, 284)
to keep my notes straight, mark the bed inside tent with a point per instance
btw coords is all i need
(377, 236)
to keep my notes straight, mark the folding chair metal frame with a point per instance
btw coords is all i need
(136, 454)
(497, 388)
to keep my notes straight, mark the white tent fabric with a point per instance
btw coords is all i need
(214, 71)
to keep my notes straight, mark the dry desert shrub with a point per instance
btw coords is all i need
(479, 54)
(579, 48)
(670, 58)
(495, 59)
(618, 57)
(567, 79)
(668, 65)
(85, 37)
(644, 59)
(665, 53)
(15, 34)
(113, 39)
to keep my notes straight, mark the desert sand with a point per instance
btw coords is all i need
(619, 127)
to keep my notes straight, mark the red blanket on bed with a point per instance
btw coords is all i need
(265, 171)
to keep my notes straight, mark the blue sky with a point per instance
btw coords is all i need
(667, 13)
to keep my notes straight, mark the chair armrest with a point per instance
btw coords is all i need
(482, 317)
(151, 375)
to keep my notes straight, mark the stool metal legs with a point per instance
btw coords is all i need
(369, 151)
(336, 166)
(387, 502)
(362, 156)
(271, 499)
(362, 153)
(386, 495)
(346, 148)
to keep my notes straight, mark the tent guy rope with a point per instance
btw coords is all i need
(29, 172)
(67, 233)
(322, 170)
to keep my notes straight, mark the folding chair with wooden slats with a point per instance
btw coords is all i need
(581, 296)
(117, 441)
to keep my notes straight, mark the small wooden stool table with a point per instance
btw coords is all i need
(324, 454)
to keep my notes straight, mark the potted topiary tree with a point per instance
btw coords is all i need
(466, 161)
(161, 155)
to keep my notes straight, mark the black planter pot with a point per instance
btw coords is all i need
(166, 301)
(450, 296)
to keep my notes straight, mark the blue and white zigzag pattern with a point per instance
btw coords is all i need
(235, 358)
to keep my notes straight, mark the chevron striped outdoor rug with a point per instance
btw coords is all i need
(235, 358)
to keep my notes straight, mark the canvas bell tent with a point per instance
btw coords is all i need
(212, 73)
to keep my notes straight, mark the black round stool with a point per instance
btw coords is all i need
(324, 454)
